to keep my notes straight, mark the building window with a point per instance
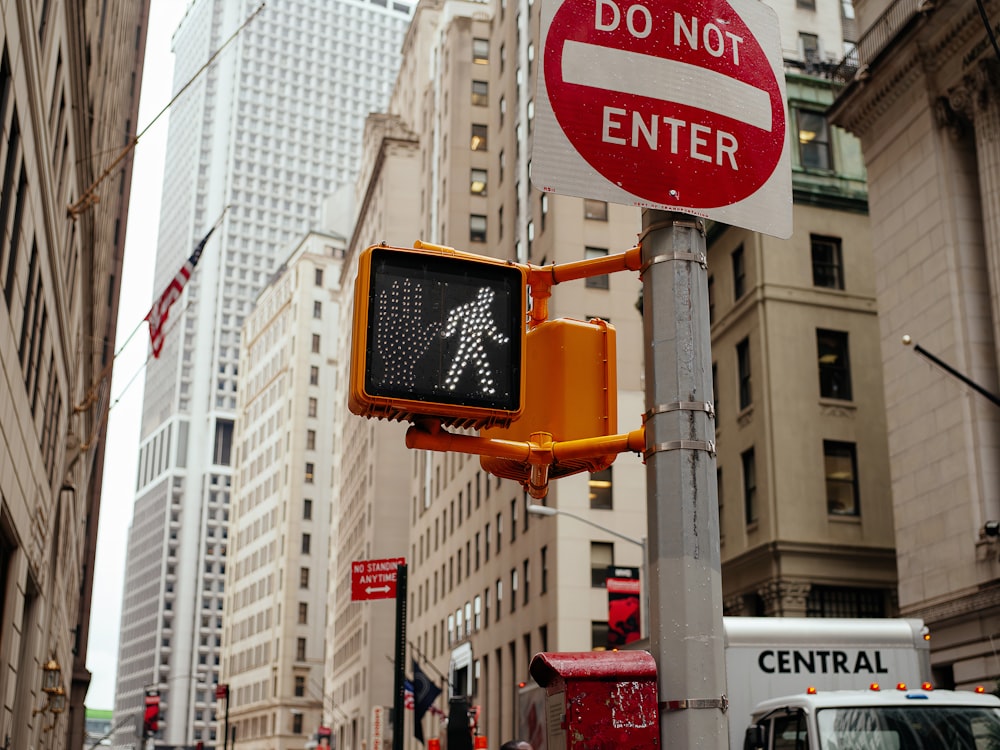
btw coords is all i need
(595, 210)
(300, 691)
(480, 51)
(313, 375)
(307, 509)
(477, 182)
(478, 142)
(300, 649)
(602, 557)
(809, 43)
(739, 273)
(310, 472)
(715, 392)
(545, 570)
(711, 300)
(814, 139)
(743, 372)
(313, 406)
(827, 262)
(749, 487)
(601, 490)
(310, 440)
(315, 343)
(596, 282)
(836, 601)
(841, 465)
(513, 589)
(318, 277)
(223, 442)
(598, 636)
(303, 578)
(477, 228)
(317, 309)
(524, 583)
(834, 364)
(480, 93)
(306, 543)
(296, 722)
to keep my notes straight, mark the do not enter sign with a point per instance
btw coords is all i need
(668, 104)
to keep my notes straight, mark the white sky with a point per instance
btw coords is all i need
(123, 424)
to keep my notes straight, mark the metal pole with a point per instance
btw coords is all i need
(993, 398)
(399, 666)
(685, 581)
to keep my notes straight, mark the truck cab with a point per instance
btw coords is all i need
(895, 719)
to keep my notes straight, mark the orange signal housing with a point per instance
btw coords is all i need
(571, 389)
(443, 265)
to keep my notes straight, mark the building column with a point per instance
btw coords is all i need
(785, 598)
(977, 99)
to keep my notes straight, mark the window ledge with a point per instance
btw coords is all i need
(843, 518)
(844, 403)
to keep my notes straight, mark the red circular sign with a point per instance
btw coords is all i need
(673, 101)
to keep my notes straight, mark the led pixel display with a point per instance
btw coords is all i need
(444, 329)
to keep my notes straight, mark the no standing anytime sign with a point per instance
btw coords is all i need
(670, 104)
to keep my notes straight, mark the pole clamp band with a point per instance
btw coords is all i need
(722, 702)
(706, 406)
(699, 258)
(675, 445)
(696, 224)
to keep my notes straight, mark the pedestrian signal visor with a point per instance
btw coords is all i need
(438, 333)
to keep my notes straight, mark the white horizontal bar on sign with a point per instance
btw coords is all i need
(667, 80)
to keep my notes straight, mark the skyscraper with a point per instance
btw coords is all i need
(259, 138)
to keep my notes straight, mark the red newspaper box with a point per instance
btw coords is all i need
(599, 700)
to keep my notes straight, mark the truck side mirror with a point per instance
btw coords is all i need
(755, 738)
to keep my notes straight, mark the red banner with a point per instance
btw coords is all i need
(624, 610)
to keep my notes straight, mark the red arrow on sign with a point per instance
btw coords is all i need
(675, 104)
(374, 579)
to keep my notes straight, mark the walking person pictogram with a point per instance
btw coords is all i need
(473, 322)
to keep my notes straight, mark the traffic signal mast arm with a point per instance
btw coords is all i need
(540, 452)
(541, 279)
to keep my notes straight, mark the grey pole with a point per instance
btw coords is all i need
(685, 582)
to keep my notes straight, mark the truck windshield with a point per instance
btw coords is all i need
(909, 728)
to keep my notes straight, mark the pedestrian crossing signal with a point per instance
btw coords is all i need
(438, 333)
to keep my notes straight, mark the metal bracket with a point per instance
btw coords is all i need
(706, 406)
(674, 445)
(696, 224)
(722, 702)
(699, 258)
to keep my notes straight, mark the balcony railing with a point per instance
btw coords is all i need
(896, 17)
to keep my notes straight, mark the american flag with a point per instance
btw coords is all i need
(158, 313)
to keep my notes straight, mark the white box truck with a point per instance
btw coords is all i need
(806, 683)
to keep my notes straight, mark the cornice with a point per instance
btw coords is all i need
(920, 51)
(868, 98)
(975, 602)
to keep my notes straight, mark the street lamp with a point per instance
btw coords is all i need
(545, 510)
